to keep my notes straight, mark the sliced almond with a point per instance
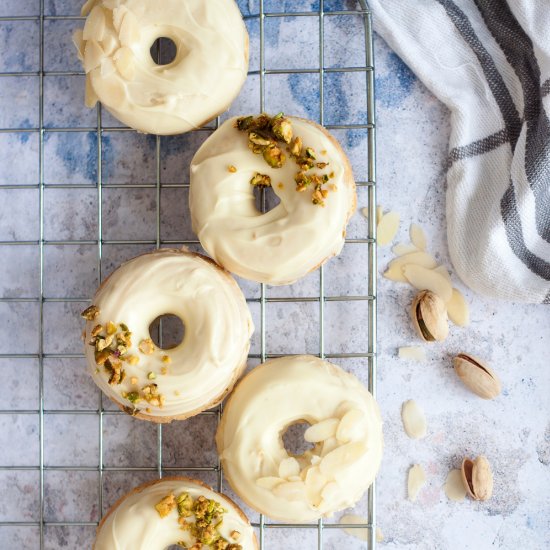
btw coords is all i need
(418, 237)
(90, 97)
(110, 43)
(352, 426)
(379, 214)
(289, 467)
(269, 482)
(458, 310)
(125, 63)
(400, 249)
(328, 446)
(93, 54)
(78, 42)
(425, 279)
(414, 420)
(315, 482)
(417, 480)
(387, 228)
(454, 486)
(361, 533)
(94, 28)
(395, 273)
(87, 7)
(420, 258)
(290, 490)
(414, 353)
(442, 270)
(321, 430)
(129, 30)
(330, 491)
(118, 16)
(107, 67)
(342, 457)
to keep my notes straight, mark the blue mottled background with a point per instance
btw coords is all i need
(513, 431)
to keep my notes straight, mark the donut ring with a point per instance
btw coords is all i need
(290, 240)
(163, 385)
(345, 427)
(134, 522)
(206, 75)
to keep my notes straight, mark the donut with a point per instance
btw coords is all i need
(306, 169)
(175, 511)
(207, 73)
(156, 384)
(345, 431)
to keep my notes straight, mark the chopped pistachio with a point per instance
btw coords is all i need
(282, 128)
(244, 123)
(96, 330)
(274, 156)
(322, 165)
(331, 175)
(148, 410)
(295, 148)
(147, 346)
(133, 380)
(235, 535)
(177, 393)
(257, 139)
(163, 370)
(166, 505)
(324, 152)
(260, 180)
(123, 327)
(232, 168)
(166, 359)
(110, 328)
(151, 375)
(102, 343)
(281, 185)
(132, 359)
(102, 356)
(310, 153)
(90, 313)
(185, 505)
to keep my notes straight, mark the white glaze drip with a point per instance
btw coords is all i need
(207, 74)
(282, 392)
(217, 323)
(285, 243)
(136, 525)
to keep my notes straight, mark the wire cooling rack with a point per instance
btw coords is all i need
(34, 525)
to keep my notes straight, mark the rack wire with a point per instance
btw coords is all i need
(264, 525)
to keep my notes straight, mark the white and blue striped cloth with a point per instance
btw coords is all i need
(489, 62)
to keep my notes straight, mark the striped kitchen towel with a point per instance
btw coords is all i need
(489, 62)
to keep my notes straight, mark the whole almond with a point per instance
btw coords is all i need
(477, 376)
(477, 477)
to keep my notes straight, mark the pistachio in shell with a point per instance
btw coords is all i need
(477, 477)
(429, 315)
(477, 376)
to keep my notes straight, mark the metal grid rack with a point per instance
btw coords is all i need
(264, 526)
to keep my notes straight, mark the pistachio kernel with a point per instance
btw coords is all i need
(282, 128)
(260, 180)
(295, 148)
(310, 153)
(90, 313)
(151, 375)
(166, 359)
(110, 328)
(257, 139)
(132, 359)
(147, 346)
(274, 156)
(123, 327)
(166, 505)
(232, 168)
(133, 380)
(96, 330)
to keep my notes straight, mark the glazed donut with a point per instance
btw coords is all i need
(207, 73)
(163, 513)
(166, 384)
(307, 170)
(345, 428)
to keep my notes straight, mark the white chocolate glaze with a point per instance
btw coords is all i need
(217, 324)
(207, 73)
(134, 524)
(290, 240)
(345, 423)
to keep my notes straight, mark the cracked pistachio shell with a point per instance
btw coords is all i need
(429, 315)
(477, 477)
(477, 376)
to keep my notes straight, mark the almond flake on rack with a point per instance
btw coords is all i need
(418, 237)
(414, 420)
(416, 480)
(387, 228)
(426, 279)
(458, 310)
(414, 353)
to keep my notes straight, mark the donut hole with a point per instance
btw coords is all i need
(167, 331)
(293, 439)
(265, 198)
(164, 51)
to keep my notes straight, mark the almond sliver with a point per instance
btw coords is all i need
(289, 467)
(94, 28)
(417, 480)
(415, 353)
(361, 533)
(387, 228)
(321, 430)
(426, 279)
(414, 420)
(454, 486)
(395, 273)
(418, 237)
(415, 258)
(458, 310)
(400, 249)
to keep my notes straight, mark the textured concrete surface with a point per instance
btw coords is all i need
(513, 431)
